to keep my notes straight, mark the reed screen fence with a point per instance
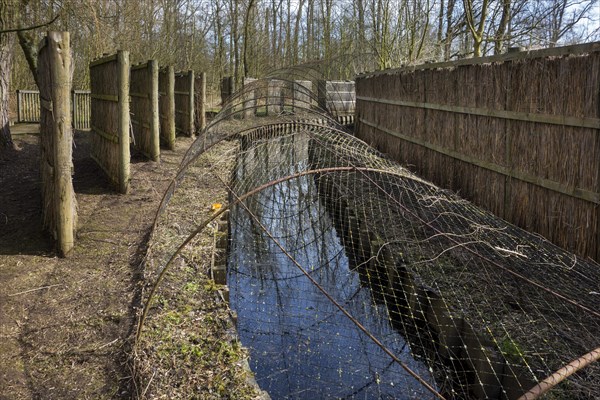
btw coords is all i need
(517, 134)
(144, 108)
(166, 106)
(110, 123)
(184, 103)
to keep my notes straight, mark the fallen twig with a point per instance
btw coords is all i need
(34, 290)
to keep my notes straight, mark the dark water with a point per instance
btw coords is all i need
(301, 345)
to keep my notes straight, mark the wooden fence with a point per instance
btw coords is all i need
(56, 140)
(109, 81)
(28, 107)
(337, 97)
(166, 106)
(517, 134)
(144, 109)
(184, 103)
(81, 102)
(275, 96)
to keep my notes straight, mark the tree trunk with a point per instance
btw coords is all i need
(449, 29)
(502, 27)
(247, 37)
(8, 17)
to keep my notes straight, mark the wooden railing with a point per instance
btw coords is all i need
(28, 107)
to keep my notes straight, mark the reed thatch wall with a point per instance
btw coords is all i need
(144, 108)
(516, 134)
(110, 117)
(166, 106)
(59, 211)
(184, 103)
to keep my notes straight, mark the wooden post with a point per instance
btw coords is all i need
(18, 106)
(123, 120)
(55, 77)
(155, 122)
(191, 103)
(169, 112)
(201, 102)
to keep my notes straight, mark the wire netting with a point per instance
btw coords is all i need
(353, 278)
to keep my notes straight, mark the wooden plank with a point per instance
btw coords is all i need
(139, 95)
(103, 60)
(592, 123)
(570, 191)
(105, 97)
(139, 66)
(110, 137)
(141, 123)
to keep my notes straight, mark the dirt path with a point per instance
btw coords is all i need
(64, 323)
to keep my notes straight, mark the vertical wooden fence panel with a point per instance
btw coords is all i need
(144, 109)
(109, 117)
(56, 139)
(250, 94)
(302, 92)
(28, 106)
(184, 103)
(81, 109)
(166, 106)
(337, 97)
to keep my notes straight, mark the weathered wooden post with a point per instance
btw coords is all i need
(155, 122)
(56, 133)
(200, 93)
(166, 83)
(191, 102)
(123, 118)
(19, 106)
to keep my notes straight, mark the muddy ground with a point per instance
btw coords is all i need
(66, 324)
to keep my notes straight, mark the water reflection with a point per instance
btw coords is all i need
(301, 345)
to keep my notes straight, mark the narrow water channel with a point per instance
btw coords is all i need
(301, 345)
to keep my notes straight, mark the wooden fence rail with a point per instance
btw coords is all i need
(517, 134)
(56, 139)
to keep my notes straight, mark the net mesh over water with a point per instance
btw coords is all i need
(354, 278)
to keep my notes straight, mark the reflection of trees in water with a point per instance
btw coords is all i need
(300, 340)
